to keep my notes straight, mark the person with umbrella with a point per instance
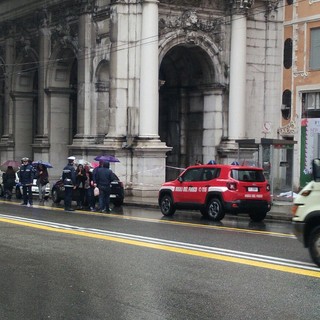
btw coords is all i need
(102, 179)
(42, 180)
(8, 179)
(25, 175)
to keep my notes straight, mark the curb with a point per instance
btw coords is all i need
(281, 215)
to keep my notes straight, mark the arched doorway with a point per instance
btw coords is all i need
(186, 71)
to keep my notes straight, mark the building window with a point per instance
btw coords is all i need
(289, 2)
(312, 100)
(287, 54)
(286, 104)
(311, 104)
(315, 49)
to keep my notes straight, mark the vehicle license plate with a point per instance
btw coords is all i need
(253, 189)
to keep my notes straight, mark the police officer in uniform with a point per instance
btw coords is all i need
(26, 174)
(69, 181)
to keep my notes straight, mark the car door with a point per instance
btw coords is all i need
(207, 177)
(188, 192)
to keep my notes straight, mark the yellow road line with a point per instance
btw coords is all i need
(180, 223)
(214, 256)
(204, 226)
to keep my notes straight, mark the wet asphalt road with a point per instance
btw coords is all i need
(136, 264)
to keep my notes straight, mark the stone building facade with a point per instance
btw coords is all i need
(158, 84)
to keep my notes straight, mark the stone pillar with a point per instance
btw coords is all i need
(228, 148)
(149, 153)
(59, 136)
(123, 59)
(212, 123)
(8, 104)
(7, 150)
(184, 109)
(237, 96)
(85, 87)
(41, 143)
(23, 106)
(149, 92)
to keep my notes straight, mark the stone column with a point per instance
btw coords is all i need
(149, 92)
(123, 62)
(212, 123)
(8, 104)
(41, 138)
(59, 136)
(149, 153)
(184, 109)
(84, 74)
(238, 63)
(23, 105)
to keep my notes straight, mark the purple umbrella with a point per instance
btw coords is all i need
(106, 158)
(44, 163)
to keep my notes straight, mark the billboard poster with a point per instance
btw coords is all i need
(310, 133)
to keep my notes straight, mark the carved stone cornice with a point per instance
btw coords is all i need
(22, 95)
(190, 21)
(86, 6)
(102, 14)
(7, 29)
(119, 1)
(289, 129)
(26, 36)
(273, 4)
(65, 34)
(102, 86)
(194, 3)
(240, 6)
(58, 91)
(25, 43)
(41, 18)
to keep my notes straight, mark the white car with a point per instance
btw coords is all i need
(34, 188)
(1, 184)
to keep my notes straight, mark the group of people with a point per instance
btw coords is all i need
(80, 179)
(85, 181)
(26, 174)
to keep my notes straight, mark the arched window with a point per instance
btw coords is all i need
(287, 54)
(103, 77)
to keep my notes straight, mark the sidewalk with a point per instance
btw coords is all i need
(280, 210)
